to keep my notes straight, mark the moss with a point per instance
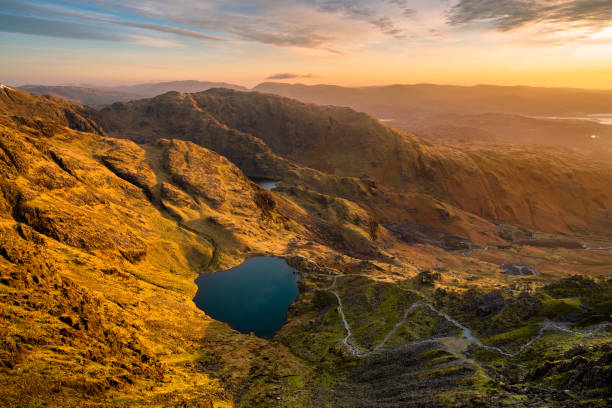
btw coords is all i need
(447, 371)
(556, 308)
(295, 381)
(434, 353)
(441, 360)
(521, 335)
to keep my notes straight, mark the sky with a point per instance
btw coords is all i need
(564, 43)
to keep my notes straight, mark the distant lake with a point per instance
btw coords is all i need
(252, 297)
(603, 118)
(267, 184)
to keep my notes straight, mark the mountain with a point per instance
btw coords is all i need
(399, 101)
(94, 97)
(583, 135)
(565, 118)
(406, 299)
(157, 88)
(99, 245)
(32, 108)
(99, 97)
(556, 191)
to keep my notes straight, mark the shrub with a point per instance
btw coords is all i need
(264, 200)
(373, 228)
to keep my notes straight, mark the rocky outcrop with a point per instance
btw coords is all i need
(127, 160)
(580, 370)
(518, 269)
(67, 320)
(487, 304)
(428, 277)
(187, 163)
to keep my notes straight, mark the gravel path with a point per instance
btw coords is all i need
(466, 333)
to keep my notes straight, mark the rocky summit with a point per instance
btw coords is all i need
(430, 274)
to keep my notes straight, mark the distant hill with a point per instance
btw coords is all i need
(94, 97)
(400, 101)
(157, 88)
(98, 97)
(586, 137)
(476, 114)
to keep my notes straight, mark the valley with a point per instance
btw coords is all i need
(431, 273)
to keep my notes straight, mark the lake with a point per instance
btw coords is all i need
(267, 184)
(601, 118)
(252, 297)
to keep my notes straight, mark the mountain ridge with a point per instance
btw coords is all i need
(98, 97)
(342, 142)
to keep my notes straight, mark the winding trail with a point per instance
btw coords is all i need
(397, 326)
(466, 333)
(353, 350)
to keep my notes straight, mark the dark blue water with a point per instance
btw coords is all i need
(265, 183)
(252, 297)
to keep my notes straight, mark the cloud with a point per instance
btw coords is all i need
(53, 21)
(288, 75)
(386, 26)
(437, 34)
(351, 8)
(407, 11)
(316, 24)
(319, 24)
(505, 15)
(37, 26)
(355, 10)
(167, 29)
(306, 38)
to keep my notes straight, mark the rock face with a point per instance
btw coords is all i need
(428, 277)
(517, 269)
(86, 326)
(128, 161)
(578, 371)
(487, 304)
(551, 243)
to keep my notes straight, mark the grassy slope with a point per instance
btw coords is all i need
(101, 240)
(97, 276)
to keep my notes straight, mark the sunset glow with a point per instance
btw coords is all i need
(544, 42)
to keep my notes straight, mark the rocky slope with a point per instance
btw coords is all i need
(101, 240)
(30, 108)
(548, 190)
